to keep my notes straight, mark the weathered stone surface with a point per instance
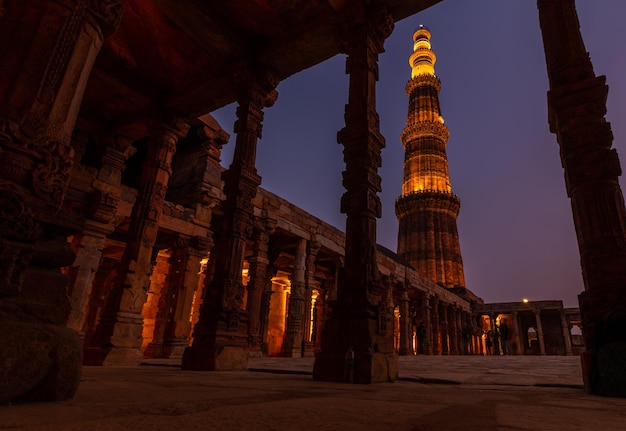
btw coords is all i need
(38, 362)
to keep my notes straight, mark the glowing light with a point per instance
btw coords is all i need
(525, 300)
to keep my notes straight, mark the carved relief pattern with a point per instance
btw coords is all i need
(63, 50)
(35, 158)
(108, 13)
(18, 231)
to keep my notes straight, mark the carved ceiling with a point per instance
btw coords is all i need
(183, 54)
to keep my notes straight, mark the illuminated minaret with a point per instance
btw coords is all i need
(427, 209)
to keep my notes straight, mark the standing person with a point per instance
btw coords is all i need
(421, 337)
(496, 341)
(488, 343)
(504, 336)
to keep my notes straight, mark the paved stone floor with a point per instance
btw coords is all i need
(434, 393)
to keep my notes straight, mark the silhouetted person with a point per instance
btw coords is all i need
(421, 337)
(504, 337)
(496, 341)
(488, 342)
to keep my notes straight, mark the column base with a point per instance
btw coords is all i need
(218, 358)
(603, 314)
(168, 349)
(41, 362)
(113, 356)
(367, 368)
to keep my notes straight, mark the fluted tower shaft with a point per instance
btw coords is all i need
(427, 210)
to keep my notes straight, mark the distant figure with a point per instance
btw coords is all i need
(488, 342)
(504, 337)
(496, 341)
(421, 337)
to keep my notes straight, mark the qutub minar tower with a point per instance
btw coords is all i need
(427, 209)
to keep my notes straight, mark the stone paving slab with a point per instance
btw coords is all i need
(487, 370)
(151, 398)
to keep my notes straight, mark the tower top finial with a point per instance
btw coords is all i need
(422, 60)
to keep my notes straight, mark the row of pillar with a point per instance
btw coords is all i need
(430, 326)
(517, 335)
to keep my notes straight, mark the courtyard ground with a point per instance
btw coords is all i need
(433, 393)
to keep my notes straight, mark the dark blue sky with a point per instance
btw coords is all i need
(515, 226)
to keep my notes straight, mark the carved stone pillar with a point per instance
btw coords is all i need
(406, 347)
(172, 326)
(100, 221)
(318, 319)
(425, 316)
(312, 249)
(221, 334)
(53, 45)
(516, 334)
(257, 272)
(353, 322)
(567, 336)
(576, 110)
(118, 338)
(292, 343)
(434, 326)
(540, 337)
(445, 335)
(453, 330)
(266, 297)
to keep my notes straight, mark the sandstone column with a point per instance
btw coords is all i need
(425, 316)
(434, 318)
(353, 324)
(453, 330)
(266, 297)
(292, 343)
(172, 326)
(445, 335)
(42, 80)
(310, 284)
(221, 334)
(117, 340)
(406, 347)
(257, 272)
(516, 335)
(567, 336)
(576, 110)
(99, 223)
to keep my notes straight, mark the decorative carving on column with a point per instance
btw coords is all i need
(259, 262)
(118, 338)
(434, 326)
(406, 347)
(18, 233)
(100, 221)
(41, 88)
(266, 297)
(313, 248)
(445, 336)
(576, 110)
(220, 336)
(292, 343)
(172, 326)
(352, 323)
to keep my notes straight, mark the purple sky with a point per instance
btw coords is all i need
(515, 226)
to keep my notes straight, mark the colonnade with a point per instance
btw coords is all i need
(47, 197)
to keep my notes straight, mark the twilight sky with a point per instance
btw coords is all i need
(515, 226)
